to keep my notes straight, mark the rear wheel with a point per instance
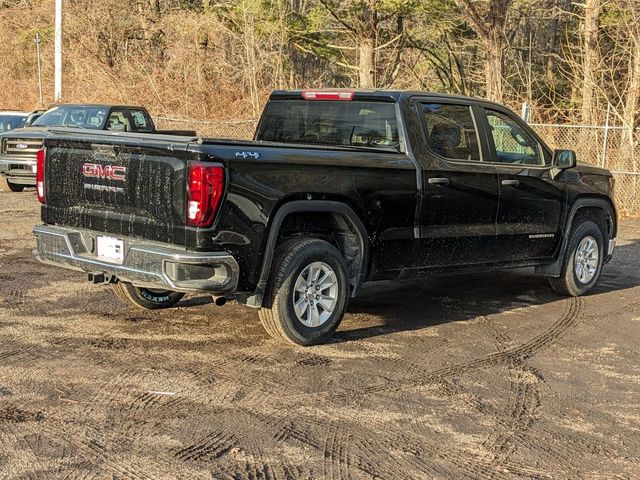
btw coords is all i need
(583, 260)
(147, 298)
(307, 294)
(7, 186)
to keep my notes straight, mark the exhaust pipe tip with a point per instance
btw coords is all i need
(219, 301)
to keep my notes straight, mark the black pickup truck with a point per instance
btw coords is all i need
(338, 188)
(18, 147)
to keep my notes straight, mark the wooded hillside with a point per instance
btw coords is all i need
(219, 59)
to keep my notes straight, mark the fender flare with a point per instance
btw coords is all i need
(555, 269)
(297, 206)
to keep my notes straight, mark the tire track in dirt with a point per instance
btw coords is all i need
(337, 457)
(207, 449)
(450, 461)
(344, 451)
(88, 446)
(239, 456)
(28, 354)
(28, 462)
(108, 394)
(571, 315)
(523, 402)
(524, 399)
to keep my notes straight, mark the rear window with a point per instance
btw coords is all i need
(78, 116)
(332, 123)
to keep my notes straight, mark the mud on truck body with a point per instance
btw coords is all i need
(337, 188)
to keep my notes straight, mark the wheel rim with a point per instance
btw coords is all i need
(315, 294)
(586, 260)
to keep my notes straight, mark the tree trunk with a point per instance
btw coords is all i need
(590, 59)
(630, 115)
(366, 63)
(633, 93)
(489, 25)
(494, 64)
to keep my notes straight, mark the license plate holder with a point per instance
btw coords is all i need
(110, 249)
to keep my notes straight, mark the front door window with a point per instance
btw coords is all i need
(513, 144)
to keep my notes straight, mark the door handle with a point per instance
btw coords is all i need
(438, 181)
(511, 183)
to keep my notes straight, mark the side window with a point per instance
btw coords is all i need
(140, 122)
(451, 132)
(513, 143)
(118, 121)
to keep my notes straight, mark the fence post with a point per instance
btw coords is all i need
(525, 114)
(606, 137)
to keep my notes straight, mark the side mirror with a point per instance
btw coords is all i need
(564, 159)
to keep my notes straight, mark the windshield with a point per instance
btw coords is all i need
(73, 116)
(359, 124)
(11, 122)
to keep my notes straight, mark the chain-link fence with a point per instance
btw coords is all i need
(608, 147)
(602, 146)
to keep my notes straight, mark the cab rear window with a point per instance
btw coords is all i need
(331, 123)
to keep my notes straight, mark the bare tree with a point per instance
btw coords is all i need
(488, 19)
(590, 59)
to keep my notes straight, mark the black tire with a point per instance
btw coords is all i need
(149, 299)
(568, 283)
(7, 186)
(278, 315)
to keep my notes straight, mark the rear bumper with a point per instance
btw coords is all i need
(20, 170)
(145, 264)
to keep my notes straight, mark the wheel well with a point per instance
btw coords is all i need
(598, 216)
(333, 227)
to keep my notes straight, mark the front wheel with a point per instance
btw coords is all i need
(147, 298)
(583, 260)
(7, 186)
(307, 294)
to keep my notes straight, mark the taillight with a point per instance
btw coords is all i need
(40, 157)
(206, 184)
(342, 95)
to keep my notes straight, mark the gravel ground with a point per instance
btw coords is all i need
(476, 376)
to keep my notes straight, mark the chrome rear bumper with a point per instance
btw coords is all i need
(145, 264)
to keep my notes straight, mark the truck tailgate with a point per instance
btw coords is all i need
(124, 184)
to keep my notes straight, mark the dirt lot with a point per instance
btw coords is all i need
(484, 376)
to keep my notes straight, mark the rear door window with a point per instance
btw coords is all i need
(331, 123)
(451, 132)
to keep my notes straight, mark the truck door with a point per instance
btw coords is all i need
(460, 200)
(531, 202)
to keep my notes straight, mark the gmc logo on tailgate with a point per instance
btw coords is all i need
(110, 172)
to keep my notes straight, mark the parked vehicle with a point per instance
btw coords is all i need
(18, 148)
(338, 188)
(12, 120)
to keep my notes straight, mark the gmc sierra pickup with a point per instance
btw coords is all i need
(338, 188)
(18, 147)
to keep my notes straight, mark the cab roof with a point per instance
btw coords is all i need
(15, 113)
(95, 105)
(381, 95)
